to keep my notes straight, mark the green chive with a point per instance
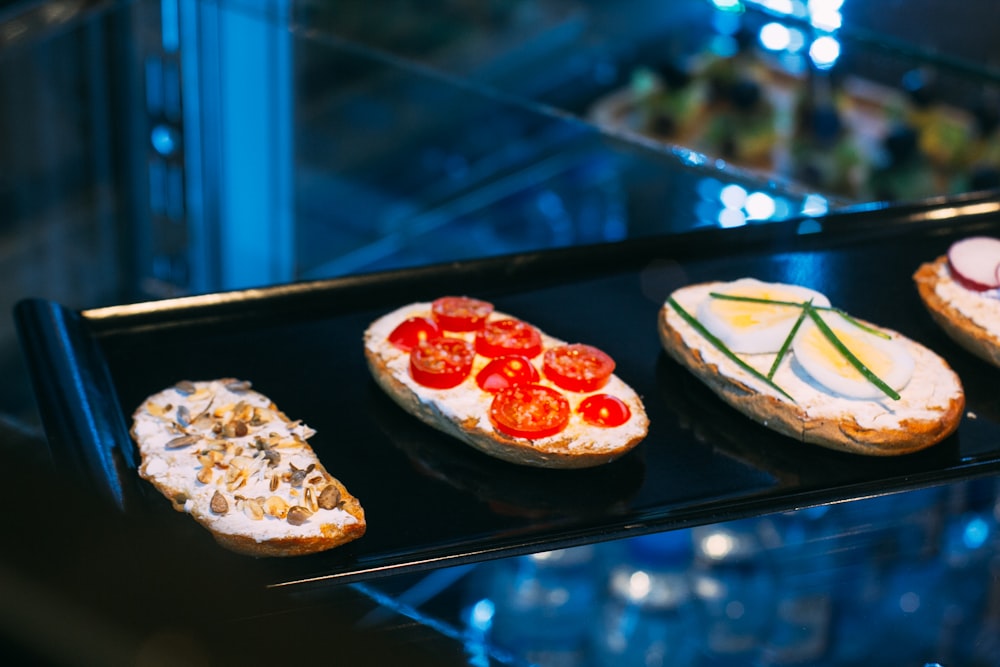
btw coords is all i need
(788, 340)
(860, 325)
(754, 299)
(847, 354)
(800, 304)
(718, 344)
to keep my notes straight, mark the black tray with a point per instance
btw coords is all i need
(431, 501)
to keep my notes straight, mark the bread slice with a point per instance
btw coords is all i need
(226, 455)
(929, 409)
(463, 411)
(971, 319)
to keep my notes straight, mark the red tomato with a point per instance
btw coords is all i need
(578, 367)
(506, 371)
(413, 331)
(501, 337)
(460, 313)
(529, 411)
(604, 410)
(441, 363)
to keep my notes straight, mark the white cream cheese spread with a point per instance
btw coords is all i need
(983, 308)
(467, 403)
(230, 457)
(925, 396)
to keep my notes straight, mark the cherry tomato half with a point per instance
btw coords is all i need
(411, 332)
(578, 367)
(604, 410)
(461, 313)
(510, 336)
(529, 411)
(441, 363)
(506, 371)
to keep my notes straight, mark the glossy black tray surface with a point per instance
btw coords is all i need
(431, 501)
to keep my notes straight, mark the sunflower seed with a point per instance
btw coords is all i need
(182, 441)
(185, 387)
(219, 504)
(298, 515)
(329, 497)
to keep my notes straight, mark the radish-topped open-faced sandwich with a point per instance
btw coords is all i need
(503, 386)
(961, 290)
(784, 357)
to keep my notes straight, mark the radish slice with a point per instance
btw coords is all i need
(975, 262)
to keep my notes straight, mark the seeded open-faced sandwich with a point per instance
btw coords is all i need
(961, 291)
(504, 387)
(226, 455)
(784, 357)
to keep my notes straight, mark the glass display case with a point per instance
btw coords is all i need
(166, 149)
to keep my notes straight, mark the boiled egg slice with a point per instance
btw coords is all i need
(750, 327)
(887, 358)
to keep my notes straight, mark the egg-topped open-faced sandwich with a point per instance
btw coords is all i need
(784, 357)
(961, 291)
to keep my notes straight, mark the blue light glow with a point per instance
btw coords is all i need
(481, 617)
(786, 7)
(975, 534)
(759, 206)
(729, 5)
(824, 52)
(733, 196)
(815, 205)
(164, 140)
(731, 217)
(775, 37)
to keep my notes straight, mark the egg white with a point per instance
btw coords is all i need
(755, 328)
(887, 358)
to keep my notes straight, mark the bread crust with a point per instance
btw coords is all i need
(233, 433)
(843, 432)
(957, 325)
(595, 446)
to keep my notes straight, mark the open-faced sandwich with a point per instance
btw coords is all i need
(503, 386)
(784, 357)
(227, 456)
(961, 290)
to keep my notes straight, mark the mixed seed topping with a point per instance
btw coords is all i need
(247, 452)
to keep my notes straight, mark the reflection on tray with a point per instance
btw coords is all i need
(509, 489)
(717, 425)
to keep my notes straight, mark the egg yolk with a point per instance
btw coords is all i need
(875, 359)
(748, 314)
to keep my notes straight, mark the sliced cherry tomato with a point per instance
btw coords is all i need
(510, 336)
(529, 411)
(604, 410)
(578, 367)
(441, 363)
(461, 313)
(411, 332)
(505, 372)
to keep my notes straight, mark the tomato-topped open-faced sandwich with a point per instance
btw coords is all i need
(503, 386)
(227, 456)
(961, 291)
(784, 357)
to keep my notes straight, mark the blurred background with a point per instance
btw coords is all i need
(157, 148)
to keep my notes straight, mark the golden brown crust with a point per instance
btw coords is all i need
(785, 417)
(554, 454)
(332, 535)
(157, 420)
(579, 447)
(959, 327)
